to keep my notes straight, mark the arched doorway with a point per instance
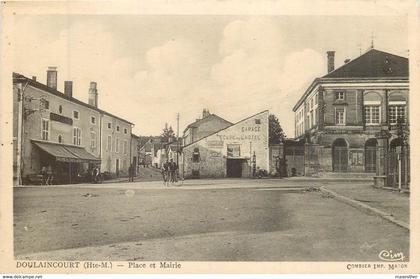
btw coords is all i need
(370, 155)
(395, 145)
(340, 155)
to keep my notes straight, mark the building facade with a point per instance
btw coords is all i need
(54, 130)
(233, 151)
(340, 114)
(116, 145)
(208, 124)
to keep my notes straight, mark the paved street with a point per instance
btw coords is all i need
(205, 220)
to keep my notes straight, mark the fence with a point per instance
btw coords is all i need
(398, 168)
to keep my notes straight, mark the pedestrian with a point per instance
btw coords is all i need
(164, 171)
(44, 175)
(130, 173)
(49, 175)
(172, 171)
(96, 175)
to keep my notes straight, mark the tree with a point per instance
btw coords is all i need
(167, 134)
(275, 131)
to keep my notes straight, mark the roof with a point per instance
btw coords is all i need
(373, 63)
(17, 76)
(226, 128)
(66, 153)
(199, 121)
(372, 66)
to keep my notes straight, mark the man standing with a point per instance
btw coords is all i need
(172, 171)
(131, 173)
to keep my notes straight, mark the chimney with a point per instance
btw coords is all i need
(330, 56)
(52, 77)
(68, 88)
(205, 113)
(34, 78)
(93, 94)
(346, 61)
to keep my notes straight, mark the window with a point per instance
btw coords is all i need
(125, 147)
(356, 158)
(125, 130)
(109, 125)
(372, 115)
(316, 99)
(196, 155)
(340, 115)
(93, 119)
(109, 143)
(396, 113)
(60, 139)
(92, 141)
(118, 128)
(60, 109)
(45, 104)
(339, 95)
(75, 114)
(233, 150)
(257, 121)
(77, 136)
(117, 145)
(312, 114)
(45, 129)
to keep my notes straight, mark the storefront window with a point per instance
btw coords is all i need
(233, 150)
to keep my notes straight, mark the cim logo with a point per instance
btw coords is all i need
(390, 256)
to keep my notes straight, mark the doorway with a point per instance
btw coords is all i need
(370, 155)
(233, 168)
(340, 155)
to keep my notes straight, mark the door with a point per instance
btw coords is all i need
(234, 168)
(340, 156)
(370, 155)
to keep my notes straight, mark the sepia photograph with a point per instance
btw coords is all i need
(229, 137)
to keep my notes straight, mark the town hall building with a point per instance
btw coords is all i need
(341, 114)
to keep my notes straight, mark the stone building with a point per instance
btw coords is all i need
(53, 128)
(208, 124)
(230, 151)
(340, 114)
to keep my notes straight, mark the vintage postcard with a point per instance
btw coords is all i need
(209, 137)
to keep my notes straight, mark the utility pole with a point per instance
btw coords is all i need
(177, 139)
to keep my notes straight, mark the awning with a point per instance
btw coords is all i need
(67, 153)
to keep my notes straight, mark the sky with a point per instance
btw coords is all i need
(149, 68)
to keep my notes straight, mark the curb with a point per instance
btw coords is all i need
(365, 208)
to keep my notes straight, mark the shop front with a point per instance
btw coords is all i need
(238, 151)
(67, 164)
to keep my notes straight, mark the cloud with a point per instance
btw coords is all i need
(250, 70)
(255, 73)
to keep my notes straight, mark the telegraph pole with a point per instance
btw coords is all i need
(177, 139)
